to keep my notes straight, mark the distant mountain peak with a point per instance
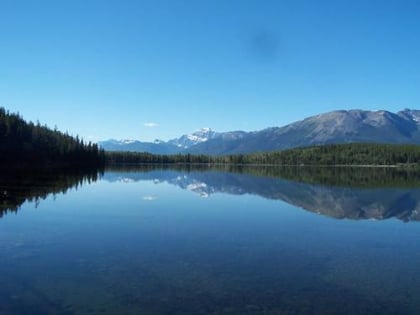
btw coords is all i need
(127, 141)
(198, 136)
(340, 126)
(117, 142)
(413, 114)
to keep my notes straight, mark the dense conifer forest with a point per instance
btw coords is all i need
(28, 144)
(335, 154)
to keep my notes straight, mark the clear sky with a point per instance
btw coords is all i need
(158, 69)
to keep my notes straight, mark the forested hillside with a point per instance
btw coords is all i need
(340, 154)
(28, 144)
(337, 154)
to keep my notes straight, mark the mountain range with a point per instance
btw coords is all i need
(342, 126)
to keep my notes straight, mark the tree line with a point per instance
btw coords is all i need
(333, 154)
(31, 144)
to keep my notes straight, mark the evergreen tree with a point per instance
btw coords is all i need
(29, 144)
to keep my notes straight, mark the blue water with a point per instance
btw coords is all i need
(178, 242)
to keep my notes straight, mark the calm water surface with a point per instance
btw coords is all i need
(207, 242)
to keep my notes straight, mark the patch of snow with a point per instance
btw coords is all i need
(127, 141)
(198, 136)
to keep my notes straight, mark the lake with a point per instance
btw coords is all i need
(157, 240)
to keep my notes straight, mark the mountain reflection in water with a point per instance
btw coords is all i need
(351, 193)
(199, 240)
(342, 193)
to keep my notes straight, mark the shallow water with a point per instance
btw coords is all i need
(161, 241)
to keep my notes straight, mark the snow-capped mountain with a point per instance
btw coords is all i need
(199, 136)
(411, 114)
(156, 147)
(341, 126)
(120, 142)
(159, 146)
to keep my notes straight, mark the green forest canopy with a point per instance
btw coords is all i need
(26, 143)
(333, 154)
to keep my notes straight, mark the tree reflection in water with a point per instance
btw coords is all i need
(19, 186)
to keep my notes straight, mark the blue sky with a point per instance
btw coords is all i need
(158, 69)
